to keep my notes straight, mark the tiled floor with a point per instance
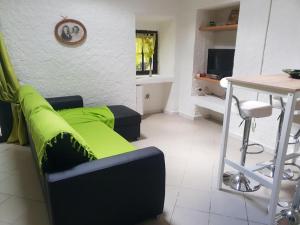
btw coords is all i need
(191, 150)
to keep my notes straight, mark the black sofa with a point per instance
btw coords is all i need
(5, 120)
(120, 190)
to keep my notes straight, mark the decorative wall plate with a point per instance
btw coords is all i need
(70, 32)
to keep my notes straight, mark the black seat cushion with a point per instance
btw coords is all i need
(125, 116)
(68, 102)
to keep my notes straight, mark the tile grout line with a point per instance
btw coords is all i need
(172, 214)
(230, 217)
(210, 197)
(246, 208)
(9, 197)
(179, 187)
(22, 197)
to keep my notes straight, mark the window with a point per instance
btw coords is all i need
(146, 52)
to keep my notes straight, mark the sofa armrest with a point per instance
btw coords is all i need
(123, 189)
(68, 102)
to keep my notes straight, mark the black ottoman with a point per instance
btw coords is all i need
(127, 122)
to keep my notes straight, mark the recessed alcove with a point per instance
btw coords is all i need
(220, 36)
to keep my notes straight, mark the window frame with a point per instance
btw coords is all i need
(155, 56)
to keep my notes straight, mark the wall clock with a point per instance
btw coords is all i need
(70, 32)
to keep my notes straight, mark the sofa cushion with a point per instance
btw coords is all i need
(104, 142)
(31, 101)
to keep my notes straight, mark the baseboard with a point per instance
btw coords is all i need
(189, 117)
(170, 112)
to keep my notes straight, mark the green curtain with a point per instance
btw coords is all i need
(139, 50)
(145, 43)
(9, 86)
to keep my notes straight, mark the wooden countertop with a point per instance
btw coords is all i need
(278, 83)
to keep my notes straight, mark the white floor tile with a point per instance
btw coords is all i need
(13, 208)
(175, 169)
(230, 204)
(257, 209)
(194, 199)
(4, 223)
(251, 223)
(170, 201)
(35, 215)
(26, 186)
(221, 220)
(4, 197)
(184, 216)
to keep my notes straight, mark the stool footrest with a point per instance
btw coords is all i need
(250, 173)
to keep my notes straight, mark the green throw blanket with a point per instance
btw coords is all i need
(89, 114)
(90, 131)
(46, 126)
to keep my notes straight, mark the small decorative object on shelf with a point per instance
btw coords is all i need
(212, 23)
(233, 17)
(295, 74)
(198, 75)
(205, 91)
(70, 32)
(212, 76)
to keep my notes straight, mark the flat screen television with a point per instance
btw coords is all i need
(220, 62)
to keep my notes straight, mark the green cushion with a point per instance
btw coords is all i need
(31, 101)
(104, 142)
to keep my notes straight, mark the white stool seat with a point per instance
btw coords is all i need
(255, 109)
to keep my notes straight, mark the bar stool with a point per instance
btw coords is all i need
(288, 174)
(248, 110)
(291, 216)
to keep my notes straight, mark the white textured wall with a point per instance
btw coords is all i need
(283, 40)
(102, 70)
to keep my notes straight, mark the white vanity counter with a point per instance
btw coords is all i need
(155, 79)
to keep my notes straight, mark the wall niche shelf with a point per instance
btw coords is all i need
(210, 102)
(220, 28)
(208, 79)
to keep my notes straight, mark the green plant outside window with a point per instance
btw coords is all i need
(146, 52)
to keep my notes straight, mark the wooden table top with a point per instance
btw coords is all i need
(278, 83)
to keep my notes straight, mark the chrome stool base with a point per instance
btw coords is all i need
(288, 217)
(240, 182)
(288, 174)
(269, 172)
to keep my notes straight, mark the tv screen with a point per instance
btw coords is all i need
(220, 62)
